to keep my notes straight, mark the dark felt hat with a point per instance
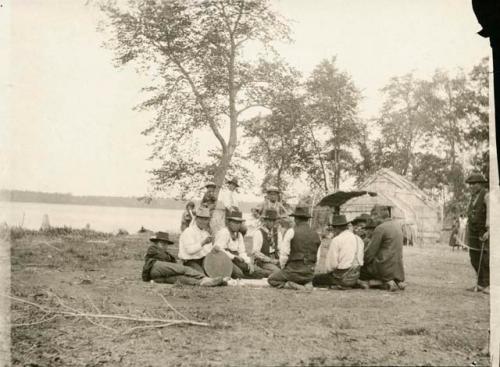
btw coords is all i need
(210, 183)
(203, 212)
(475, 177)
(235, 215)
(234, 181)
(273, 189)
(363, 218)
(270, 214)
(339, 220)
(370, 224)
(161, 236)
(301, 211)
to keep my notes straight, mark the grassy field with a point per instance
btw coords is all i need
(433, 322)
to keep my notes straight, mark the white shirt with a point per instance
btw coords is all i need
(225, 242)
(190, 243)
(284, 248)
(229, 198)
(342, 251)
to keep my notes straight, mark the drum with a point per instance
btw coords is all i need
(217, 264)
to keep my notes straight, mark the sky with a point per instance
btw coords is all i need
(67, 123)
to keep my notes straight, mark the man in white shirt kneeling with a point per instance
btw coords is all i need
(343, 259)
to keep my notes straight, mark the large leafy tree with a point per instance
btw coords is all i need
(194, 52)
(333, 104)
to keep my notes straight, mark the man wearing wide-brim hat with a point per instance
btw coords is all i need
(265, 243)
(297, 254)
(383, 261)
(344, 257)
(272, 201)
(230, 240)
(229, 197)
(209, 200)
(359, 223)
(195, 241)
(478, 230)
(161, 266)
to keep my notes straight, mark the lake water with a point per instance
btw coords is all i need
(100, 218)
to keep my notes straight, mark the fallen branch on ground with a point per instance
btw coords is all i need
(64, 310)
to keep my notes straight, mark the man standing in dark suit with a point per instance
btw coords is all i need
(477, 241)
(383, 262)
(297, 254)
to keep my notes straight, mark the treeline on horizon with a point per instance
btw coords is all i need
(123, 201)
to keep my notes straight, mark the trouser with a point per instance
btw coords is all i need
(166, 272)
(481, 265)
(267, 267)
(342, 277)
(294, 271)
(196, 264)
(241, 270)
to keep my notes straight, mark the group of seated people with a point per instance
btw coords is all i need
(364, 253)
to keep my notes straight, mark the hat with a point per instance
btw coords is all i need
(235, 215)
(370, 224)
(273, 189)
(301, 211)
(234, 181)
(476, 177)
(339, 220)
(203, 212)
(361, 218)
(270, 214)
(161, 236)
(210, 183)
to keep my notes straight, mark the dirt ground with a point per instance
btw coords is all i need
(435, 321)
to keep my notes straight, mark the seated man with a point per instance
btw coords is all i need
(195, 242)
(230, 240)
(368, 229)
(265, 243)
(359, 223)
(272, 202)
(209, 200)
(161, 267)
(344, 257)
(383, 261)
(297, 254)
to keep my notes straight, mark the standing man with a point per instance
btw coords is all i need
(230, 240)
(195, 242)
(162, 267)
(344, 257)
(478, 235)
(229, 197)
(265, 243)
(209, 200)
(297, 254)
(383, 261)
(272, 201)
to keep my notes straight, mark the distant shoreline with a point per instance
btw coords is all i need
(108, 201)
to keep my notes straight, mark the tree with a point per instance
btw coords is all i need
(194, 52)
(333, 102)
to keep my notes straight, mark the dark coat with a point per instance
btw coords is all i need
(384, 256)
(155, 253)
(476, 222)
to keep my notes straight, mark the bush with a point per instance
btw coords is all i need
(16, 233)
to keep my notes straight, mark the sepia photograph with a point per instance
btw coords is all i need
(249, 183)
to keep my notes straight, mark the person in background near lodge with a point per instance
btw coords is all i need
(297, 254)
(195, 242)
(209, 200)
(272, 201)
(161, 266)
(187, 216)
(343, 259)
(230, 240)
(383, 261)
(478, 234)
(265, 243)
(358, 225)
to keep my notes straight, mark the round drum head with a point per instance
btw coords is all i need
(217, 264)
